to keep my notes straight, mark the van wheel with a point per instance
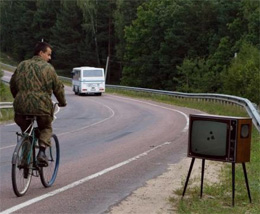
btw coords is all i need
(74, 90)
(78, 93)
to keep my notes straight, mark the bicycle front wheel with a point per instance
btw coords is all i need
(22, 167)
(48, 174)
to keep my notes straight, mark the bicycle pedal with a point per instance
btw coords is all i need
(42, 164)
(35, 173)
(37, 144)
(26, 173)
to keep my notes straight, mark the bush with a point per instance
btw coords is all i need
(242, 78)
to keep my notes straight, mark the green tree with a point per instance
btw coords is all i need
(24, 41)
(196, 76)
(158, 41)
(242, 78)
(142, 44)
(251, 14)
(6, 22)
(44, 19)
(68, 37)
(96, 19)
(222, 56)
(164, 33)
(124, 14)
(16, 27)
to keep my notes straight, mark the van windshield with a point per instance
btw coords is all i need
(92, 73)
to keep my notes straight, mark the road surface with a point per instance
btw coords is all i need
(110, 146)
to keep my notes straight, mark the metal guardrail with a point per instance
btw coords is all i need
(65, 78)
(6, 105)
(12, 68)
(5, 81)
(249, 107)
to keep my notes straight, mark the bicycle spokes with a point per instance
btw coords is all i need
(21, 168)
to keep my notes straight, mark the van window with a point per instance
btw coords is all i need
(92, 73)
(76, 74)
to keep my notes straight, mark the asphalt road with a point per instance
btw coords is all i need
(110, 146)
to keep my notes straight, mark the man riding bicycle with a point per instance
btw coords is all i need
(32, 85)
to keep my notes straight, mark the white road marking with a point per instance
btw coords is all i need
(10, 124)
(93, 124)
(76, 130)
(185, 129)
(7, 147)
(81, 181)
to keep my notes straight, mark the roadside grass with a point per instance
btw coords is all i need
(6, 115)
(6, 96)
(64, 73)
(206, 106)
(217, 197)
(7, 59)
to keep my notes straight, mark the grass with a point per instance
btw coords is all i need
(206, 106)
(7, 59)
(64, 73)
(6, 96)
(4, 58)
(217, 198)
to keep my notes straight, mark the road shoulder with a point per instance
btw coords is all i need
(153, 198)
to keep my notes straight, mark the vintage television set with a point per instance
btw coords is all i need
(220, 138)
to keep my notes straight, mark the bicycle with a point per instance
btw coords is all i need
(24, 160)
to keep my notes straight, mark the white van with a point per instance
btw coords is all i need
(88, 80)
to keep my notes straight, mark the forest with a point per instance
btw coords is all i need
(207, 46)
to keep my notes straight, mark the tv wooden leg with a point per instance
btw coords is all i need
(188, 176)
(202, 177)
(233, 184)
(247, 185)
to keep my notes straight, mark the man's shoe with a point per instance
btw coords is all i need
(23, 164)
(42, 159)
(26, 172)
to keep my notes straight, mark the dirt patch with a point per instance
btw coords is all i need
(153, 198)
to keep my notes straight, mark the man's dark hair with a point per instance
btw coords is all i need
(41, 46)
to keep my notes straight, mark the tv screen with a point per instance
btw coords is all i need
(209, 138)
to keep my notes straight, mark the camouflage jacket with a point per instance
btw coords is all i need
(32, 85)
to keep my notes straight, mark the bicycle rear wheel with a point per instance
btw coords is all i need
(48, 174)
(22, 167)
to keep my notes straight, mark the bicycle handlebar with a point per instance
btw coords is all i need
(54, 111)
